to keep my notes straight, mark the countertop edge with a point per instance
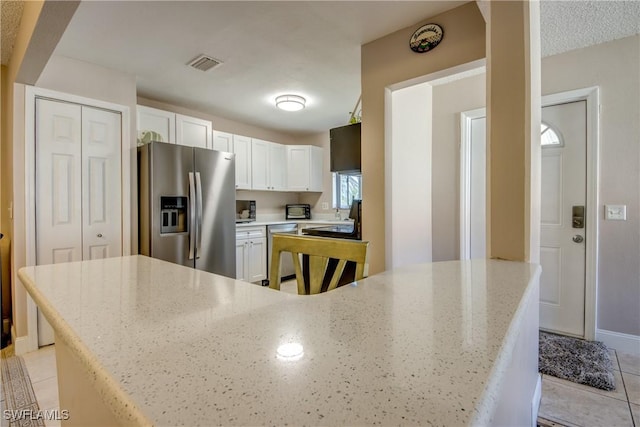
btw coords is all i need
(120, 403)
(488, 402)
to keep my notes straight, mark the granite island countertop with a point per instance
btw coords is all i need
(169, 345)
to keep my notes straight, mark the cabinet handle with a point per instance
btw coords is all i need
(99, 234)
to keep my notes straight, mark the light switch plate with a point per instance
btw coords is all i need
(615, 212)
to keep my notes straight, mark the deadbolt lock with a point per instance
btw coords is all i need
(577, 217)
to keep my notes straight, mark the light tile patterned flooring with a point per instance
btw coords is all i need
(564, 402)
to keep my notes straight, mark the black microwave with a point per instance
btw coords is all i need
(298, 211)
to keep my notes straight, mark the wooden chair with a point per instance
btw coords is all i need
(326, 262)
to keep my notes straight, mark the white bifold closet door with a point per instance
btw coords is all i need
(78, 186)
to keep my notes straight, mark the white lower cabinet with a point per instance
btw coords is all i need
(251, 254)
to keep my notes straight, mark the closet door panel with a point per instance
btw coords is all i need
(58, 182)
(101, 184)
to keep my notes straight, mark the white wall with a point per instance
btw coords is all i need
(408, 177)
(615, 68)
(449, 100)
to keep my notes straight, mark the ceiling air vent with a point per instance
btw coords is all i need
(204, 63)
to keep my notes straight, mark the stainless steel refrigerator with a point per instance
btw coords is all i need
(187, 206)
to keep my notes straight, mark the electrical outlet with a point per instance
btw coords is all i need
(325, 205)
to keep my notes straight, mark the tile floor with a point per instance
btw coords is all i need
(573, 404)
(563, 402)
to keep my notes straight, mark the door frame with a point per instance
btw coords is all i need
(466, 117)
(592, 97)
(31, 93)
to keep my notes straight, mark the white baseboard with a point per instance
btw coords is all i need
(620, 342)
(20, 344)
(535, 402)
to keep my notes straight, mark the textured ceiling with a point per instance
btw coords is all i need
(567, 25)
(270, 48)
(9, 23)
(267, 48)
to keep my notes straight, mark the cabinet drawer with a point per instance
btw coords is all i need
(250, 232)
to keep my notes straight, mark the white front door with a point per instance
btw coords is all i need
(563, 186)
(562, 247)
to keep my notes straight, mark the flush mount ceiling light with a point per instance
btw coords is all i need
(290, 102)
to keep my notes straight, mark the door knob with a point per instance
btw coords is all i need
(578, 238)
(99, 234)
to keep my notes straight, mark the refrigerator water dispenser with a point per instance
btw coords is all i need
(173, 215)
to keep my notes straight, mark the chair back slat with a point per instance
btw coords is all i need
(321, 256)
(337, 274)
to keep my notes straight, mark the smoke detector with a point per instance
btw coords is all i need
(204, 63)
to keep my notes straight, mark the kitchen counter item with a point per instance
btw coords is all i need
(245, 211)
(298, 211)
(454, 343)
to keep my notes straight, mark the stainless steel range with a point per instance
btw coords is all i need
(342, 231)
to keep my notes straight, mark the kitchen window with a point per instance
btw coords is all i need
(345, 189)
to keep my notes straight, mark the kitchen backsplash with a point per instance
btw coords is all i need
(270, 205)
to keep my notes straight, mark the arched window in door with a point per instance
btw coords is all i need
(549, 137)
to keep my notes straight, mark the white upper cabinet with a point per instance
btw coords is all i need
(259, 165)
(304, 168)
(193, 132)
(242, 150)
(316, 169)
(223, 141)
(278, 166)
(268, 166)
(156, 125)
(241, 147)
(165, 126)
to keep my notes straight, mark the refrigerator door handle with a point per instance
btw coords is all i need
(192, 216)
(199, 217)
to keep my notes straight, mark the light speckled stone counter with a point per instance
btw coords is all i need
(164, 344)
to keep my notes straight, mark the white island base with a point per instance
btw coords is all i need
(144, 342)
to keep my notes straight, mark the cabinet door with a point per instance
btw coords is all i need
(222, 141)
(242, 150)
(257, 263)
(163, 123)
(316, 166)
(260, 164)
(193, 132)
(58, 182)
(298, 167)
(278, 167)
(241, 259)
(101, 197)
